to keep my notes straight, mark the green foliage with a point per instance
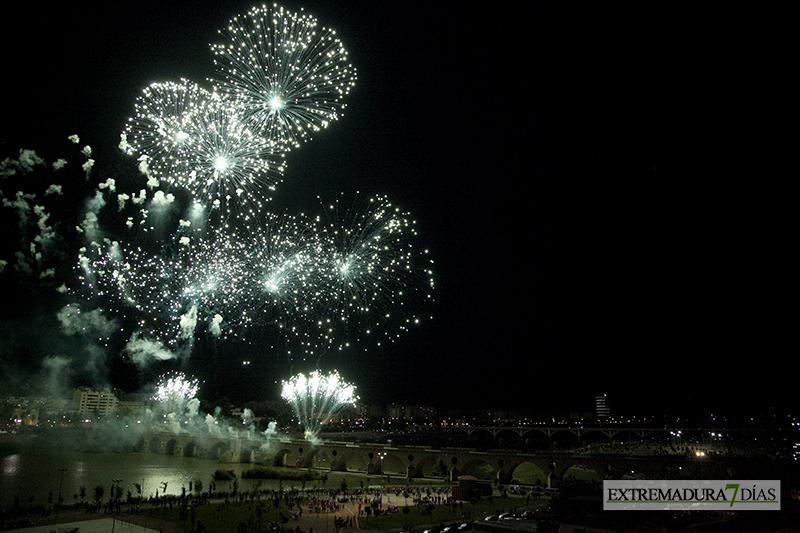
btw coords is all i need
(440, 470)
(223, 475)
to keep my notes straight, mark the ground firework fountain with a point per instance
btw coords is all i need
(316, 398)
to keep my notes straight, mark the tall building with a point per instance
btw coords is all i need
(88, 400)
(601, 407)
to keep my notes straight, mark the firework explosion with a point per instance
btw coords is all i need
(316, 398)
(175, 389)
(198, 141)
(155, 269)
(196, 278)
(288, 75)
(379, 282)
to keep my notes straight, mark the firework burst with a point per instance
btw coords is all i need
(163, 297)
(162, 129)
(174, 389)
(379, 281)
(230, 162)
(288, 74)
(283, 261)
(316, 398)
(196, 140)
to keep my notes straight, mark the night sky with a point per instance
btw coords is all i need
(598, 188)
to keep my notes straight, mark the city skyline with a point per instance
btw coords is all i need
(578, 174)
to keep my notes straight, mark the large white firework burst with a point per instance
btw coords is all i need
(198, 141)
(174, 389)
(230, 162)
(288, 74)
(316, 398)
(161, 131)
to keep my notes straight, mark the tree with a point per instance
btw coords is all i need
(440, 470)
(98, 493)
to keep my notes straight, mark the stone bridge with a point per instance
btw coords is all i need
(423, 461)
(220, 448)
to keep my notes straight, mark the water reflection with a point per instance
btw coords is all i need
(32, 476)
(10, 465)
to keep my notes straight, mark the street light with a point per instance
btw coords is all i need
(114, 481)
(60, 484)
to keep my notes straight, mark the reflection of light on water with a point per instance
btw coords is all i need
(10, 465)
(31, 476)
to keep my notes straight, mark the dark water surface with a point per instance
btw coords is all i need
(32, 473)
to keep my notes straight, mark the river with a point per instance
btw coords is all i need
(32, 474)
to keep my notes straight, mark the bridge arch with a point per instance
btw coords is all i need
(154, 445)
(564, 439)
(477, 467)
(392, 463)
(191, 449)
(536, 440)
(350, 460)
(251, 452)
(170, 446)
(217, 450)
(318, 458)
(507, 437)
(527, 473)
(284, 457)
(481, 438)
(425, 466)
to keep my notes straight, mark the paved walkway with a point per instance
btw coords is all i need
(102, 525)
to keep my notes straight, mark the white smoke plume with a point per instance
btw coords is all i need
(142, 351)
(188, 323)
(26, 161)
(123, 144)
(87, 167)
(57, 370)
(160, 199)
(109, 184)
(92, 323)
(213, 327)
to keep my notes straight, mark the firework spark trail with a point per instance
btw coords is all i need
(175, 390)
(192, 280)
(288, 74)
(379, 282)
(316, 398)
(282, 257)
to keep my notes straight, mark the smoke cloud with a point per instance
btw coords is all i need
(143, 351)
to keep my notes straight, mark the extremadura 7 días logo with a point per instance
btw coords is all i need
(748, 494)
